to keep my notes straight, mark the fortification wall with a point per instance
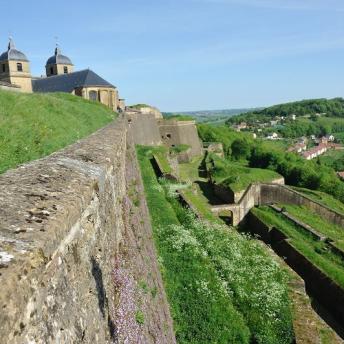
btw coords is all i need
(144, 128)
(265, 194)
(67, 226)
(175, 132)
(61, 224)
(271, 193)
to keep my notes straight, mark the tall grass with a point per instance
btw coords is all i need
(222, 287)
(35, 125)
(317, 252)
(313, 219)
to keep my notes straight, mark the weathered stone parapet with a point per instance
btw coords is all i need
(61, 223)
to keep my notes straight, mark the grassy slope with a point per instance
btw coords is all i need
(199, 260)
(314, 220)
(317, 252)
(237, 176)
(35, 125)
(323, 198)
(198, 317)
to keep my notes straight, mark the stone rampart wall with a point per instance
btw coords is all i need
(174, 133)
(320, 286)
(61, 224)
(144, 128)
(271, 193)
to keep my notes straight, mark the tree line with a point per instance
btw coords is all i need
(330, 107)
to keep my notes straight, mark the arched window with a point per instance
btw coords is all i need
(19, 67)
(65, 69)
(93, 95)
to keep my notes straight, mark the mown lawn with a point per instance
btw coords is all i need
(222, 286)
(35, 125)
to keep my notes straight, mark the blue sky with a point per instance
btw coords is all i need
(191, 54)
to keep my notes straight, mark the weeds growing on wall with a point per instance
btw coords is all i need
(222, 286)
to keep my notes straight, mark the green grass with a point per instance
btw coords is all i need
(236, 175)
(198, 317)
(138, 106)
(35, 125)
(179, 148)
(160, 153)
(189, 171)
(322, 198)
(196, 198)
(222, 287)
(334, 159)
(315, 251)
(306, 215)
(180, 117)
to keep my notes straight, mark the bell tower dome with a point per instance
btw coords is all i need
(58, 64)
(15, 68)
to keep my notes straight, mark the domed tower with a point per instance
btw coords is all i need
(15, 68)
(58, 64)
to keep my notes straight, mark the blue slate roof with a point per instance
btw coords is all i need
(12, 54)
(58, 58)
(68, 82)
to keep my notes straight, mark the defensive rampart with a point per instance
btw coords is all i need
(61, 223)
(264, 194)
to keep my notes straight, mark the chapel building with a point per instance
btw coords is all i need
(60, 76)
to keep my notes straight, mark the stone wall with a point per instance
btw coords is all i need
(61, 224)
(67, 225)
(265, 194)
(144, 128)
(174, 133)
(230, 196)
(279, 194)
(320, 286)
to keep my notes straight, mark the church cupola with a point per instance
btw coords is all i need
(58, 64)
(15, 68)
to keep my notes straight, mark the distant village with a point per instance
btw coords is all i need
(307, 147)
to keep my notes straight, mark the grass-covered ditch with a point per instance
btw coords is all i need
(317, 222)
(35, 125)
(316, 251)
(223, 287)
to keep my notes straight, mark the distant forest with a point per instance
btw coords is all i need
(329, 107)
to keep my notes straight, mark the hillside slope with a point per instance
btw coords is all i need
(35, 125)
(330, 107)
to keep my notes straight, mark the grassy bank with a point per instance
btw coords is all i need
(316, 251)
(323, 198)
(236, 175)
(35, 125)
(311, 218)
(222, 286)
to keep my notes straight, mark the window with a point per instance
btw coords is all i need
(65, 69)
(3, 68)
(19, 67)
(51, 70)
(93, 95)
(168, 136)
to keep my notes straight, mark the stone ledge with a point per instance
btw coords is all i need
(53, 210)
